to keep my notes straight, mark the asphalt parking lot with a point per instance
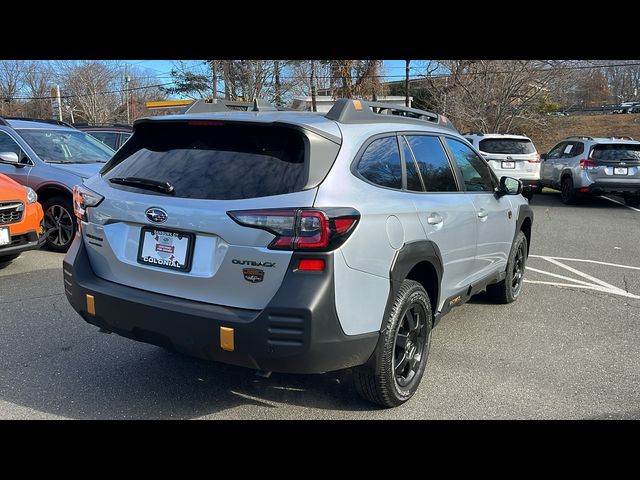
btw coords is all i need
(569, 348)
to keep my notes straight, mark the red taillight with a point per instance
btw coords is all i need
(311, 264)
(301, 228)
(536, 160)
(588, 164)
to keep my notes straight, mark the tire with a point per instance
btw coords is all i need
(5, 259)
(59, 223)
(383, 384)
(568, 194)
(508, 290)
(632, 201)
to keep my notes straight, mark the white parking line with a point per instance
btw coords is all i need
(620, 203)
(562, 277)
(587, 261)
(597, 284)
(589, 287)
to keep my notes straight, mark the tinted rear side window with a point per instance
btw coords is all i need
(380, 163)
(513, 146)
(615, 152)
(433, 164)
(214, 161)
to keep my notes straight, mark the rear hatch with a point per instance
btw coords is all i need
(614, 162)
(163, 224)
(511, 156)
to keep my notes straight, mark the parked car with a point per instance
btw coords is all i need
(52, 158)
(113, 135)
(21, 217)
(512, 155)
(295, 241)
(593, 166)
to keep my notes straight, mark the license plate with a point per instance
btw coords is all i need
(5, 238)
(508, 164)
(165, 248)
(620, 171)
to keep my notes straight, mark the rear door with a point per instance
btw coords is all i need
(494, 217)
(552, 166)
(180, 240)
(446, 213)
(514, 157)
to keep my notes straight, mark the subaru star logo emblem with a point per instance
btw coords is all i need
(156, 215)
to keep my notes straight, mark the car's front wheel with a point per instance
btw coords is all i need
(402, 351)
(509, 289)
(59, 223)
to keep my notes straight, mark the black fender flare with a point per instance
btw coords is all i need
(524, 212)
(410, 255)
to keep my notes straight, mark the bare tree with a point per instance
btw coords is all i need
(11, 81)
(39, 77)
(490, 95)
(95, 88)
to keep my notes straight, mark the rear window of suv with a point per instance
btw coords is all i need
(615, 152)
(213, 160)
(505, 145)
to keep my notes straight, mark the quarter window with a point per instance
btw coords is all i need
(475, 171)
(432, 163)
(380, 163)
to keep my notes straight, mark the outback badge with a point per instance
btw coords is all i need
(253, 275)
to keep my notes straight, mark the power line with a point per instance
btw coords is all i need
(144, 87)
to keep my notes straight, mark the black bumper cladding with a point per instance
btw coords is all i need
(298, 332)
(22, 243)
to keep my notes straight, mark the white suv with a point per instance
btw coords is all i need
(510, 155)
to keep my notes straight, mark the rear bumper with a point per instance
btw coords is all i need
(298, 331)
(22, 242)
(615, 186)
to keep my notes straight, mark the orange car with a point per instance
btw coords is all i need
(21, 220)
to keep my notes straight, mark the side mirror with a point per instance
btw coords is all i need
(9, 157)
(510, 186)
(543, 157)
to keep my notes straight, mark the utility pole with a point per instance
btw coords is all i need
(313, 86)
(406, 83)
(127, 79)
(276, 74)
(214, 80)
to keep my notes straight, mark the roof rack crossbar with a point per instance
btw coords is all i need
(346, 110)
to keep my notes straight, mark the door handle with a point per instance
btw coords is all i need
(482, 213)
(434, 219)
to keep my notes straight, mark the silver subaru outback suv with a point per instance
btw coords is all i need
(296, 242)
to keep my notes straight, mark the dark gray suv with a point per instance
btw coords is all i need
(52, 158)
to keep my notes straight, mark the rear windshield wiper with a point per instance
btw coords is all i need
(146, 183)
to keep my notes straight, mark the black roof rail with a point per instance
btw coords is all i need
(580, 137)
(480, 134)
(359, 111)
(208, 105)
(4, 122)
(43, 120)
